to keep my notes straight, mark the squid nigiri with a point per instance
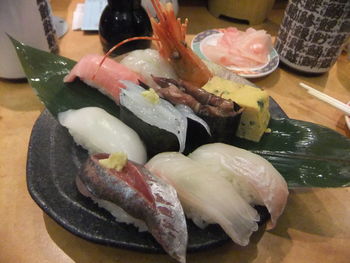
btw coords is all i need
(98, 131)
(105, 78)
(206, 196)
(154, 111)
(257, 180)
(133, 189)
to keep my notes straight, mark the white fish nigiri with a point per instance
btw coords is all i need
(147, 62)
(259, 182)
(99, 132)
(206, 195)
(162, 115)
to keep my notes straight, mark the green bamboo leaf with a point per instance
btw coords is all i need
(306, 154)
(45, 72)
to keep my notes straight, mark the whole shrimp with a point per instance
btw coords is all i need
(172, 46)
(169, 34)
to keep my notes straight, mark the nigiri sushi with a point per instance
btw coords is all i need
(105, 78)
(257, 180)
(132, 189)
(148, 62)
(97, 131)
(206, 196)
(154, 111)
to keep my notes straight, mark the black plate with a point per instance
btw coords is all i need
(53, 162)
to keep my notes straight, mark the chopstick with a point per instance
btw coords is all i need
(328, 99)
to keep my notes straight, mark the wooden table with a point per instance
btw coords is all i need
(314, 227)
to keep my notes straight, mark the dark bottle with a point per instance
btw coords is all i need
(122, 19)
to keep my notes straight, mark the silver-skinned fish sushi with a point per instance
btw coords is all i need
(256, 179)
(206, 196)
(106, 77)
(134, 189)
(98, 131)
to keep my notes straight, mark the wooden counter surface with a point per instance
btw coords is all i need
(315, 226)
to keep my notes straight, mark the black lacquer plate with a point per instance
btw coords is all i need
(53, 162)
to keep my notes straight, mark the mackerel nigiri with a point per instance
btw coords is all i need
(105, 78)
(135, 190)
(206, 196)
(256, 179)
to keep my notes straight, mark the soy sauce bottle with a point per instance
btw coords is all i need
(122, 19)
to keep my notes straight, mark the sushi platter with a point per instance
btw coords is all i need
(51, 183)
(166, 152)
(51, 177)
(58, 196)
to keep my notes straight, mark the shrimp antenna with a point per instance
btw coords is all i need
(118, 45)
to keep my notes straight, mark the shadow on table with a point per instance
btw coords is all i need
(82, 251)
(312, 79)
(305, 212)
(269, 80)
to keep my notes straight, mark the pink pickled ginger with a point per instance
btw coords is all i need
(241, 49)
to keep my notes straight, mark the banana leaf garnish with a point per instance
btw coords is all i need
(306, 154)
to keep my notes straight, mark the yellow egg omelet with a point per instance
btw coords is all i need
(255, 116)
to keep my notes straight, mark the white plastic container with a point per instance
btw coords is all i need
(28, 21)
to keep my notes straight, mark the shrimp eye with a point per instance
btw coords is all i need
(175, 55)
